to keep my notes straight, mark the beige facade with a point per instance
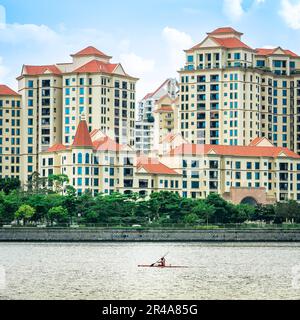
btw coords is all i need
(166, 119)
(231, 93)
(152, 121)
(260, 172)
(10, 133)
(54, 97)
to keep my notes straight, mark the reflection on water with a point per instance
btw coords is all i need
(109, 271)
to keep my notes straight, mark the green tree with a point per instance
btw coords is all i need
(25, 213)
(9, 184)
(242, 213)
(191, 218)
(223, 209)
(58, 214)
(59, 181)
(165, 204)
(37, 184)
(287, 211)
(204, 210)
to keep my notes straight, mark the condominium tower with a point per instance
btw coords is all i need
(231, 93)
(157, 115)
(54, 97)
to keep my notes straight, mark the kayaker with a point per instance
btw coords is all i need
(162, 262)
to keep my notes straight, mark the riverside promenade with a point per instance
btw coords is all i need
(152, 235)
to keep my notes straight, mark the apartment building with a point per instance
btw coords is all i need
(258, 173)
(150, 124)
(10, 133)
(231, 93)
(40, 88)
(54, 97)
(95, 162)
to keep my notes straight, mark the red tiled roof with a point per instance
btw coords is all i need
(82, 136)
(6, 91)
(148, 95)
(90, 51)
(169, 137)
(165, 109)
(151, 94)
(106, 144)
(96, 66)
(256, 141)
(243, 151)
(57, 147)
(224, 30)
(231, 43)
(152, 165)
(39, 70)
(268, 52)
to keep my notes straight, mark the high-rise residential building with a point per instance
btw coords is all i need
(10, 133)
(149, 122)
(231, 93)
(54, 97)
(103, 91)
(41, 115)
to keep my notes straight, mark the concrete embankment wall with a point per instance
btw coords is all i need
(99, 234)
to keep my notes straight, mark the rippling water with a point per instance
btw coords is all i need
(109, 271)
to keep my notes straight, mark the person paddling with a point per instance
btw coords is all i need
(162, 262)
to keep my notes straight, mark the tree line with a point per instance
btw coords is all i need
(50, 207)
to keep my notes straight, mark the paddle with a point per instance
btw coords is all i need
(152, 265)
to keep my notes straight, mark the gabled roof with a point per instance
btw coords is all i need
(40, 70)
(57, 147)
(82, 136)
(6, 91)
(242, 151)
(106, 144)
(151, 94)
(269, 52)
(154, 166)
(165, 108)
(96, 66)
(224, 30)
(90, 51)
(231, 43)
(148, 96)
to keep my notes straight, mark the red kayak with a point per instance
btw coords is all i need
(168, 266)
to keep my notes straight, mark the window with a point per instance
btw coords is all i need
(190, 58)
(79, 157)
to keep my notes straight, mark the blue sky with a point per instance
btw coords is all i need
(147, 37)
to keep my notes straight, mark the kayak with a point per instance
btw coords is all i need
(168, 266)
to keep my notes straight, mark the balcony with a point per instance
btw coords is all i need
(213, 175)
(213, 164)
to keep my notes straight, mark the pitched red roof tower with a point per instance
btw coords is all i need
(82, 137)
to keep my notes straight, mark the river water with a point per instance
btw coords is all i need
(109, 271)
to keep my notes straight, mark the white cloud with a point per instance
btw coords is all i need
(177, 41)
(16, 33)
(233, 9)
(2, 17)
(3, 71)
(136, 65)
(290, 13)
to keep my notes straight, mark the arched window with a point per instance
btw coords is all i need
(87, 158)
(80, 157)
